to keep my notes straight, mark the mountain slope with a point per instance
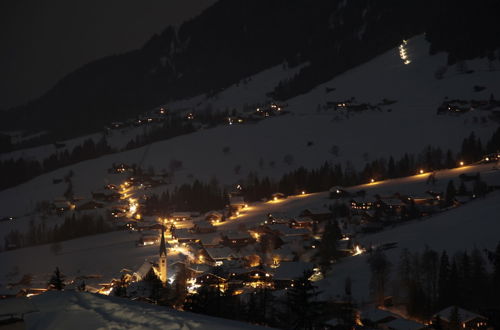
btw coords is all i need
(229, 41)
(409, 127)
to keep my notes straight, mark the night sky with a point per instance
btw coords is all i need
(41, 41)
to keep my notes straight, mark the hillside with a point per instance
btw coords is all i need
(307, 133)
(228, 42)
(473, 225)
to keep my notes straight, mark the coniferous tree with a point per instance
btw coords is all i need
(303, 309)
(328, 247)
(56, 281)
(451, 192)
(454, 319)
(380, 268)
(444, 281)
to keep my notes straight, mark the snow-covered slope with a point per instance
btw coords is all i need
(308, 132)
(474, 224)
(76, 310)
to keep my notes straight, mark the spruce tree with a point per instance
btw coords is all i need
(328, 247)
(303, 309)
(56, 281)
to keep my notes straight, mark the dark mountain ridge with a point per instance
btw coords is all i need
(234, 39)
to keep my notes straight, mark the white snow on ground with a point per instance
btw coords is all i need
(249, 92)
(409, 127)
(75, 310)
(106, 254)
(475, 225)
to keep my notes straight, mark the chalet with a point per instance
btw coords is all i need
(316, 215)
(360, 205)
(283, 230)
(236, 201)
(210, 240)
(284, 253)
(212, 280)
(257, 278)
(61, 206)
(237, 239)
(302, 223)
(148, 239)
(277, 196)
(203, 227)
(180, 216)
(221, 254)
(184, 236)
(214, 217)
(468, 319)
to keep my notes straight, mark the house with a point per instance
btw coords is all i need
(277, 196)
(237, 239)
(221, 253)
(286, 231)
(316, 215)
(202, 227)
(236, 201)
(257, 278)
(214, 217)
(61, 206)
(184, 236)
(212, 280)
(180, 216)
(360, 205)
(148, 238)
(302, 223)
(467, 319)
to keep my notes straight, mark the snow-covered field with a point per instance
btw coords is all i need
(76, 310)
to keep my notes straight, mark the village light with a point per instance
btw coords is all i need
(303, 192)
(421, 171)
(461, 163)
(372, 180)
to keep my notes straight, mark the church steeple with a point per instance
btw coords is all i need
(162, 261)
(163, 247)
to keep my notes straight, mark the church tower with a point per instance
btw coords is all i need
(162, 262)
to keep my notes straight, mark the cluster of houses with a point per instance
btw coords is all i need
(463, 106)
(350, 105)
(268, 255)
(158, 115)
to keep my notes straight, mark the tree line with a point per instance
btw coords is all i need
(72, 227)
(429, 281)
